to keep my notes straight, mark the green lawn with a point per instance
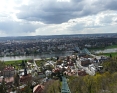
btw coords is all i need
(13, 62)
(112, 46)
(102, 48)
(108, 54)
(17, 62)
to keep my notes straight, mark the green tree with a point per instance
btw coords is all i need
(3, 87)
(110, 66)
(16, 80)
(52, 87)
(27, 88)
(2, 65)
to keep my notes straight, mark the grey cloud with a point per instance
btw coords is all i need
(106, 4)
(53, 12)
(112, 5)
(16, 28)
(77, 1)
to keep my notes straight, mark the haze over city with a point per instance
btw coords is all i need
(57, 17)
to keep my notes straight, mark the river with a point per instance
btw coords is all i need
(13, 58)
(47, 55)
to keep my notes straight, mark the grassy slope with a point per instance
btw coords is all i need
(13, 62)
(112, 46)
(108, 54)
(102, 48)
(17, 62)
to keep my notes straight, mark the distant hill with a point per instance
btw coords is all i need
(58, 36)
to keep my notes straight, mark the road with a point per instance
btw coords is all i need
(88, 71)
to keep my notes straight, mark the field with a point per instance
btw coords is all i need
(18, 62)
(102, 48)
(108, 54)
(13, 62)
(112, 46)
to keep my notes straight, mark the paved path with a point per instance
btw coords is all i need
(65, 87)
(88, 71)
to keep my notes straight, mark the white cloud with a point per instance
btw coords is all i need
(2, 34)
(63, 0)
(51, 17)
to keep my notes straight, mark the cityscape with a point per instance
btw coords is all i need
(47, 60)
(58, 46)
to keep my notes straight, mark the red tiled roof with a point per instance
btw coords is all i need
(82, 73)
(25, 78)
(9, 68)
(8, 79)
(38, 89)
(85, 62)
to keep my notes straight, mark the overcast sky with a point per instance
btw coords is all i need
(56, 17)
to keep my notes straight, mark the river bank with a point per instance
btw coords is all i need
(40, 56)
(107, 51)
